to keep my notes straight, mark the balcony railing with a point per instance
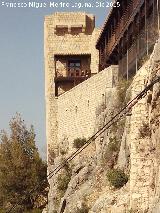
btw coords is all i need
(77, 72)
(73, 74)
(121, 25)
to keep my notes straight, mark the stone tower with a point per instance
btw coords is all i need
(70, 58)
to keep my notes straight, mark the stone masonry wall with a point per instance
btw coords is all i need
(65, 44)
(76, 117)
(75, 19)
(77, 107)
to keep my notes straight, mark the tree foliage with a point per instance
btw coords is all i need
(21, 169)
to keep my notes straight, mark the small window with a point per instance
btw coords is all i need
(74, 67)
(74, 63)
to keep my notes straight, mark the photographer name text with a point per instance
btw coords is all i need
(52, 4)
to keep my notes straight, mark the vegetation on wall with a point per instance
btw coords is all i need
(111, 153)
(113, 145)
(62, 152)
(84, 209)
(117, 178)
(117, 129)
(145, 130)
(51, 156)
(123, 96)
(64, 146)
(21, 169)
(64, 179)
(79, 142)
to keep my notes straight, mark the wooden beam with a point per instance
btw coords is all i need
(127, 24)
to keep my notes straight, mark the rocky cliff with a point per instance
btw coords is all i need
(119, 171)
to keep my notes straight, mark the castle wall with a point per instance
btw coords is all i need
(77, 107)
(75, 19)
(61, 38)
(51, 103)
(71, 44)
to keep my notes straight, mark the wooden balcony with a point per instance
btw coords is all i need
(122, 25)
(73, 75)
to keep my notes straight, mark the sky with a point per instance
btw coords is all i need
(22, 58)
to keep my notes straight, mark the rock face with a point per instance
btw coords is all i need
(132, 145)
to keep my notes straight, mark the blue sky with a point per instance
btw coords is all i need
(22, 63)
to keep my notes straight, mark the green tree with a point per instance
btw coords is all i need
(21, 169)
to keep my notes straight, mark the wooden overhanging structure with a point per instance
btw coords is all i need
(71, 71)
(129, 35)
